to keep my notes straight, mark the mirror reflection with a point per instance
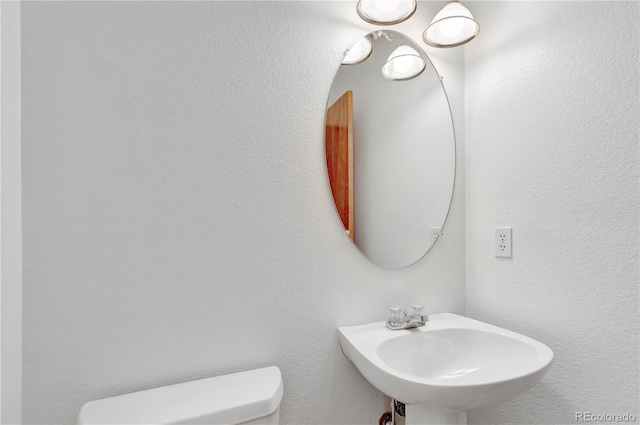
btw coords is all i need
(390, 149)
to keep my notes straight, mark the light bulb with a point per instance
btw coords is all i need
(402, 64)
(386, 6)
(452, 27)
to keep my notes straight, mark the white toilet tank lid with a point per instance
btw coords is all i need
(227, 399)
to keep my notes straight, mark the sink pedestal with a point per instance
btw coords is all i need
(424, 414)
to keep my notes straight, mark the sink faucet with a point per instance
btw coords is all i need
(403, 320)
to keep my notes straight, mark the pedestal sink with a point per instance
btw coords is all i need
(450, 365)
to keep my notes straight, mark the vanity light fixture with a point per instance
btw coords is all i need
(452, 26)
(386, 12)
(404, 63)
(358, 53)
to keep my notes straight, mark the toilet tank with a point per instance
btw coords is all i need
(246, 397)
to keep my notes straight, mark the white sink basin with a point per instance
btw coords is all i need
(452, 362)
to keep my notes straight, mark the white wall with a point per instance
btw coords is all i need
(10, 235)
(552, 150)
(177, 218)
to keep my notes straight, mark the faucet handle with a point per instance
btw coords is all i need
(418, 310)
(395, 315)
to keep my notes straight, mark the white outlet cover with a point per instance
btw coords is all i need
(503, 242)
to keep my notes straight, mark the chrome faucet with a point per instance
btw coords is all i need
(399, 319)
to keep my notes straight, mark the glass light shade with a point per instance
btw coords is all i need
(358, 53)
(386, 12)
(404, 63)
(452, 26)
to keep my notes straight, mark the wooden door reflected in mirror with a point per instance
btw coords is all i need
(339, 151)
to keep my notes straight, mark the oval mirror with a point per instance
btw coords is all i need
(390, 149)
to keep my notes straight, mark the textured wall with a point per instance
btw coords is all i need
(10, 226)
(552, 150)
(177, 218)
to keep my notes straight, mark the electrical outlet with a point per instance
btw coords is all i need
(503, 242)
(436, 232)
